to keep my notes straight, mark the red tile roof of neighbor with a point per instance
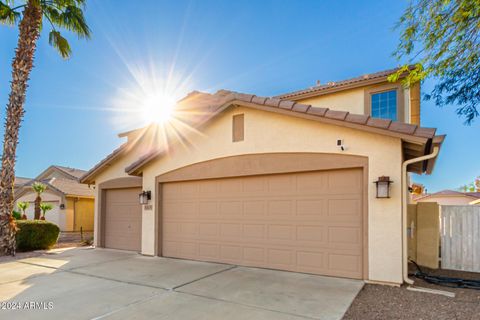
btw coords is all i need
(475, 195)
(65, 186)
(371, 78)
(73, 172)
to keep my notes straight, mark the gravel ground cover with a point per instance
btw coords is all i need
(385, 302)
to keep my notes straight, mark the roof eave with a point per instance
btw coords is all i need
(246, 101)
(89, 176)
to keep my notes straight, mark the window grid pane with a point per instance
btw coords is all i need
(384, 105)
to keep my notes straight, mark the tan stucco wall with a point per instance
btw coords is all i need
(269, 132)
(349, 100)
(448, 200)
(354, 100)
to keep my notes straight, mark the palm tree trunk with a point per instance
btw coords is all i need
(21, 67)
(38, 200)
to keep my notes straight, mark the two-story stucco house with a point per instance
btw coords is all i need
(286, 182)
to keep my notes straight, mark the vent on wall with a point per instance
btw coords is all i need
(238, 130)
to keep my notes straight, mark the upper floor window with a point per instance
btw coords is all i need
(384, 105)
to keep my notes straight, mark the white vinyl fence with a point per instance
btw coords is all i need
(460, 237)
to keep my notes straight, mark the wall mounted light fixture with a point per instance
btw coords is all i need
(383, 187)
(144, 197)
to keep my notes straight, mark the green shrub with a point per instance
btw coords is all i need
(17, 215)
(36, 235)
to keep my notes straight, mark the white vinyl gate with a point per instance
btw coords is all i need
(460, 237)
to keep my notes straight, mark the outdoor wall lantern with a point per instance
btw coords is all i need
(383, 187)
(144, 197)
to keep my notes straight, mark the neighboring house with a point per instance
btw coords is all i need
(73, 202)
(19, 182)
(449, 197)
(263, 182)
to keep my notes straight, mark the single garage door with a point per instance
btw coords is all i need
(123, 219)
(306, 222)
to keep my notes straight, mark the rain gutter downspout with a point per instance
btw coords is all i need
(404, 209)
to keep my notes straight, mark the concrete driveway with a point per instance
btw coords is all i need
(87, 283)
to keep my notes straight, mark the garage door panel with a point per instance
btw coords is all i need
(123, 221)
(307, 222)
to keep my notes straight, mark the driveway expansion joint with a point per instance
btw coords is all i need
(204, 277)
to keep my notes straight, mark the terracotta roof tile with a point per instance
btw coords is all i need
(300, 107)
(425, 132)
(285, 104)
(336, 114)
(402, 127)
(378, 123)
(357, 118)
(272, 102)
(381, 75)
(76, 173)
(259, 100)
(244, 97)
(317, 111)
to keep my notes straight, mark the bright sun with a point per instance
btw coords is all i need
(157, 108)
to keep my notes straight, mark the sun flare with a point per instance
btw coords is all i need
(157, 108)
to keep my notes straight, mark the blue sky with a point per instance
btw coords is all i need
(75, 108)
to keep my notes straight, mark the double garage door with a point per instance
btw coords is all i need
(306, 222)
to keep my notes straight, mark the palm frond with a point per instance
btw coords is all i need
(68, 14)
(39, 187)
(8, 15)
(45, 207)
(60, 43)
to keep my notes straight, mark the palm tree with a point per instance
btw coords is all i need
(65, 14)
(39, 188)
(45, 207)
(23, 206)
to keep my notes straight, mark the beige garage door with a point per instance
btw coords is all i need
(123, 219)
(307, 222)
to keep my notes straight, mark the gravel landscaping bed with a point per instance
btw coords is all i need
(385, 302)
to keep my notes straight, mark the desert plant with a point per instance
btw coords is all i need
(23, 206)
(39, 188)
(45, 207)
(36, 235)
(66, 14)
(16, 215)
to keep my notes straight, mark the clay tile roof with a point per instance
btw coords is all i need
(449, 193)
(357, 118)
(259, 100)
(244, 97)
(402, 127)
(285, 104)
(272, 102)
(335, 114)
(300, 107)
(19, 181)
(212, 104)
(317, 111)
(76, 173)
(425, 132)
(379, 123)
(85, 178)
(360, 80)
(71, 187)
